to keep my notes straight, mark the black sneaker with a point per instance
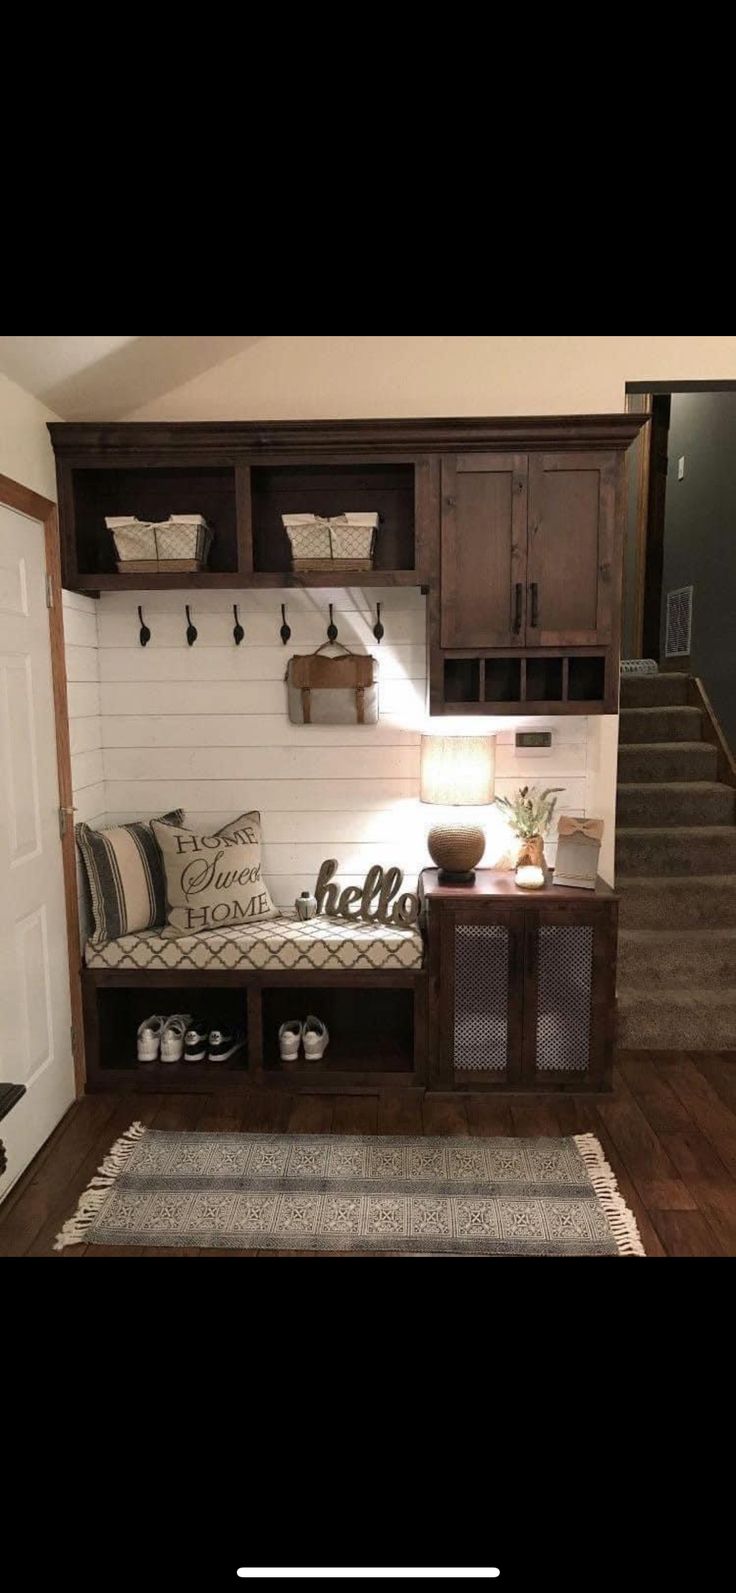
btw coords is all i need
(196, 1040)
(223, 1043)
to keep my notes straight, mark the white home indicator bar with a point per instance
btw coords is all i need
(371, 1571)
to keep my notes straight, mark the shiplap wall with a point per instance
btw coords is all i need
(83, 689)
(205, 728)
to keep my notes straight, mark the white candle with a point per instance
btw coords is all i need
(530, 878)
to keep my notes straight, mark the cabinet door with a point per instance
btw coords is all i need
(482, 992)
(483, 554)
(571, 580)
(569, 995)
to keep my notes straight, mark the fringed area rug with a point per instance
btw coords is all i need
(351, 1193)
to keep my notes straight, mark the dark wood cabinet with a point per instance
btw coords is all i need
(570, 549)
(522, 984)
(483, 550)
(527, 549)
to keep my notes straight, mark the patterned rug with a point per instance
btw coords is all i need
(352, 1193)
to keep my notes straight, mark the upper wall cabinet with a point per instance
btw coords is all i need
(241, 479)
(527, 549)
(513, 526)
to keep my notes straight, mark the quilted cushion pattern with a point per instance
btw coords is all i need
(283, 943)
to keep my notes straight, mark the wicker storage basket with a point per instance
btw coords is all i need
(344, 542)
(145, 547)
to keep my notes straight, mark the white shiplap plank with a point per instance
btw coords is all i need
(89, 804)
(87, 770)
(243, 730)
(83, 698)
(216, 664)
(78, 600)
(80, 628)
(569, 758)
(231, 797)
(402, 699)
(85, 735)
(261, 763)
(81, 664)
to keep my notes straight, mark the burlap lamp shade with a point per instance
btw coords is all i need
(457, 771)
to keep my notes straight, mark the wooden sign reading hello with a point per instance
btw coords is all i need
(372, 901)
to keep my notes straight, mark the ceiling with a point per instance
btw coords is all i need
(105, 378)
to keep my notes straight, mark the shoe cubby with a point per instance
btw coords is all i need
(462, 678)
(118, 1011)
(372, 1032)
(502, 679)
(543, 680)
(586, 679)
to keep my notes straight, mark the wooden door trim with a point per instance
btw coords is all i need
(637, 404)
(15, 496)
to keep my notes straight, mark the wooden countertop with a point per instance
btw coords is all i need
(501, 883)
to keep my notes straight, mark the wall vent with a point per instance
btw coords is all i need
(679, 622)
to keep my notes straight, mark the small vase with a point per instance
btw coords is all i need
(306, 905)
(531, 853)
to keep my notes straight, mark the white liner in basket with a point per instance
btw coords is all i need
(182, 536)
(343, 536)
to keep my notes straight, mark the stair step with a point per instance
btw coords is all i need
(677, 1020)
(654, 691)
(667, 760)
(694, 802)
(651, 958)
(702, 849)
(660, 724)
(693, 902)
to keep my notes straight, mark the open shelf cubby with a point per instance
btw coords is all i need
(503, 680)
(462, 679)
(150, 493)
(122, 1009)
(587, 679)
(329, 490)
(543, 679)
(371, 1030)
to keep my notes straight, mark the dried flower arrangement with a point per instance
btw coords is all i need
(529, 813)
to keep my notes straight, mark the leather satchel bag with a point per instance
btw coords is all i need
(332, 691)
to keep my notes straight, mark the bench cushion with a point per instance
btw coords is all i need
(281, 943)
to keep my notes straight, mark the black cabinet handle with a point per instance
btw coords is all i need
(535, 604)
(517, 610)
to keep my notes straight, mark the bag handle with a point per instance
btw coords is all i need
(345, 649)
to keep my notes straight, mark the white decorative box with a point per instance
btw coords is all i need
(578, 849)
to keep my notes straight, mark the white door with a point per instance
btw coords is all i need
(35, 1013)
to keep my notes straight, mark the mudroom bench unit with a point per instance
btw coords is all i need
(366, 981)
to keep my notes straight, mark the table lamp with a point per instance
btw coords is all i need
(457, 771)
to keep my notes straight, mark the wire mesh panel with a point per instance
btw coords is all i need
(481, 997)
(564, 997)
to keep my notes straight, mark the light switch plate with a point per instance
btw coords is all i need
(681, 468)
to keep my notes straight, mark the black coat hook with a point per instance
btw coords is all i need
(191, 629)
(378, 630)
(145, 634)
(285, 631)
(332, 628)
(238, 632)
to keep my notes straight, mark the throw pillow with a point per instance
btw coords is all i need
(213, 881)
(125, 875)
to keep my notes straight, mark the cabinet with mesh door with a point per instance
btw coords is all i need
(522, 984)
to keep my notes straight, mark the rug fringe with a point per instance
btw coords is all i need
(74, 1232)
(621, 1220)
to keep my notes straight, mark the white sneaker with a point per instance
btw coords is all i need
(316, 1038)
(149, 1038)
(290, 1035)
(172, 1037)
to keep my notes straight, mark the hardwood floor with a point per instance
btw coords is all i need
(668, 1130)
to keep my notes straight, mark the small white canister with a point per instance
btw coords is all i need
(306, 905)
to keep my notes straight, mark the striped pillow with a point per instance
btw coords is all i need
(125, 874)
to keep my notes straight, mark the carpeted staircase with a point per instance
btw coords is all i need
(676, 871)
